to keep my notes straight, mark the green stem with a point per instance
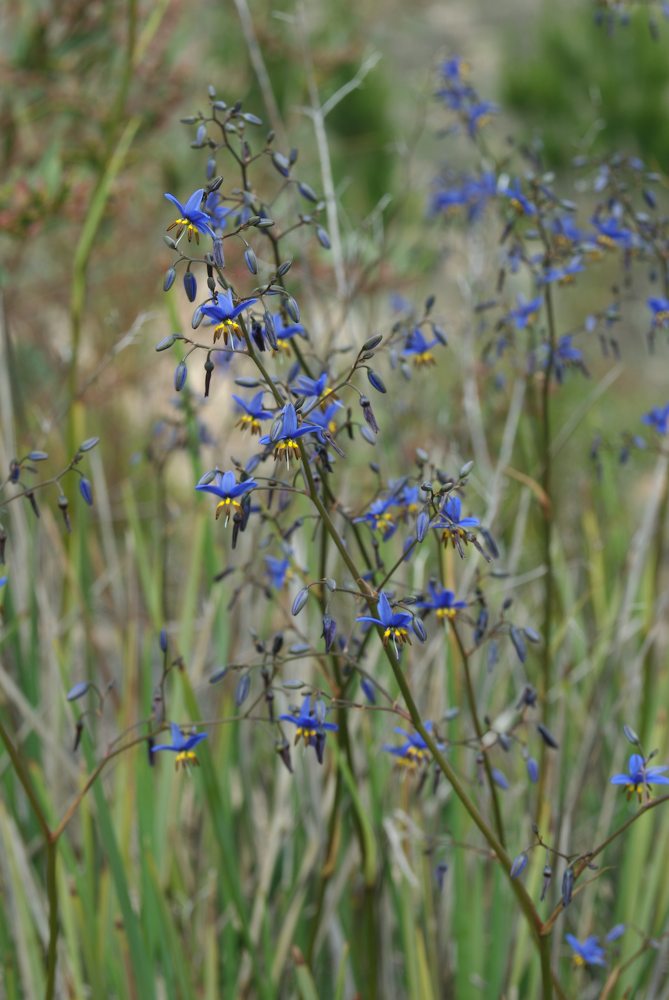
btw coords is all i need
(471, 699)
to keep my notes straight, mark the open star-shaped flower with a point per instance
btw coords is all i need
(311, 725)
(182, 746)
(588, 952)
(225, 486)
(191, 218)
(393, 623)
(640, 778)
(285, 435)
(223, 314)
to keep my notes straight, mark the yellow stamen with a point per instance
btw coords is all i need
(396, 634)
(228, 328)
(424, 359)
(285, 449)
(247, 422)
(446, 613)
(184, 224)
(185, 759)
(226, 505)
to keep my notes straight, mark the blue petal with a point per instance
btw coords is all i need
(194, 202)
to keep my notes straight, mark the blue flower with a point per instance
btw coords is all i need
(519, 203)
(419, 349)
(225, 486)
(311, 725)
(478, 115)
(393, 623)
(252, 412)
(453, 526)
(285, 439)
(182, 746)
(640, 778)
(191, 218)
(325, 418)
(525, 313)
(566, 231)
(316, 388)
(588, 952)
(442, 601)
(658, 418)
(414, 752)
(660, 310)
(284, 331)
(217, 211)
(277, 570)
(223, 314)
(562, 275)
(611, 234)
(379, 518)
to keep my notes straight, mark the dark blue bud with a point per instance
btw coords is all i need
(284, 268)
(300, 600)
(493, 654)
(519, 865)
(180, 375)
(532, 770)
(242, 690)
(281, 163)
(162, 639)
(368, 690)
(86, 490)
(567, 886)
(631, 736)
(169, 279)
(201, 134)
(219, 256)
(307, 192)
(518, 643)
(190, 285)
(251, 119)
(439, 874)
(375, 380)
(422, 524)
(547, 736)
(323, 238)
(211, 168)
(251, 260)
(329, 631)
(38, 456)
(367, 435)
(78, 691)
(89, 444)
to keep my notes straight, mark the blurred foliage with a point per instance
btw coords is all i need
(583, 89)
